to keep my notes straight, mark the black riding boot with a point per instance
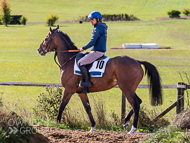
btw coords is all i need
(84, 72)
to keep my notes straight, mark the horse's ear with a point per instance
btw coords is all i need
(50, 30)
(57, 27)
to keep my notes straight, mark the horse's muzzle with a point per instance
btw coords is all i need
(41, 51)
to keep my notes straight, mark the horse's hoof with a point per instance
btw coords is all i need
(133, 130)
(92, 128)
(126, 126)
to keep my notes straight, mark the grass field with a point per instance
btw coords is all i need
(36, 10)
(20, 62)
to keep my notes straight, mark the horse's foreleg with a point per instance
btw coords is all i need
(64, 102)
(87, 107)
(127, 118)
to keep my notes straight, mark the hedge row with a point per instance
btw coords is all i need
(17, 19)
(114, 17)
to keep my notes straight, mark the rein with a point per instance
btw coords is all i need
(65, 62)
(65, 51)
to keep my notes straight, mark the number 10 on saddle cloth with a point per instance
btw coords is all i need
(96, 69)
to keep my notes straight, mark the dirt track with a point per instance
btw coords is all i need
(57, 135)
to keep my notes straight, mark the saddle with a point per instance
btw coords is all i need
(95, 69)
(81, 55)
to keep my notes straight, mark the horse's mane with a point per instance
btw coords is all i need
(68, 39)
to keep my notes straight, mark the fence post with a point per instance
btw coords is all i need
(180, 97)
(123, 106)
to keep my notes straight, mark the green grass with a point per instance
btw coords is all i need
(36, 10)
(169, 134)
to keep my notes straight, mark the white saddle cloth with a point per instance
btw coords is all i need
(97, 69)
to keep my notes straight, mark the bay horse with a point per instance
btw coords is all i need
(123, 71)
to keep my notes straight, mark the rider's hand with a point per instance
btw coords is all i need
(81, 49)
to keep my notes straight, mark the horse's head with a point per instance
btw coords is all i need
(47, 44)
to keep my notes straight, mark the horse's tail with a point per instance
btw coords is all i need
(154, 81)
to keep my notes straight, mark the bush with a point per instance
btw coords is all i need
(51, 19)
(23, 20)
(15, 19)
(182, 120)
(186, 11)
(174, 13)
(47, 109)
(48, 103)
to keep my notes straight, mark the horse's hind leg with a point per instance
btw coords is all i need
(127, 118)
(85, 101)
(133, 100)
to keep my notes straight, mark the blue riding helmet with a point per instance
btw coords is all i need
(95, 14)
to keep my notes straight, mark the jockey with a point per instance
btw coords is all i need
(97, 44)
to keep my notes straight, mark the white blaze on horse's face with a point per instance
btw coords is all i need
(44, 46)
(47, 38)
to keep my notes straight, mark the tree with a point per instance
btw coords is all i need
(174, 13)
(5, 9)
(186, 11)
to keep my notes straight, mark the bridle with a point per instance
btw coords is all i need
(47, 49)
